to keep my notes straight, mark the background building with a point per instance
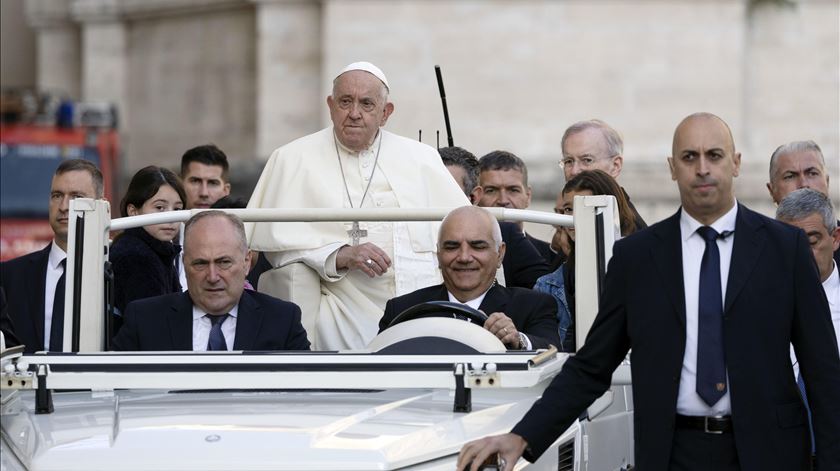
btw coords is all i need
(253, 75)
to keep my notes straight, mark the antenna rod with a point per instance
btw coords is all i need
(420, 135)
(445, 108)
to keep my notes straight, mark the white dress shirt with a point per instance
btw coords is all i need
(54, 272)
(693, 247)
(202, 326)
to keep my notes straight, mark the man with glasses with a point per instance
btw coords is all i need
(591, 145)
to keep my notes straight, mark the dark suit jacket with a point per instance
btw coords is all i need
(24, 280)
(7, 325)
(533, 313)
(522, 264)
(773, 298)
(165, 323)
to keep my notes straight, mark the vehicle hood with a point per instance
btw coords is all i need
(302, 430)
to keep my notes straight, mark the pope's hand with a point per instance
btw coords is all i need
(502, 327)
(366, 257)
(509, 447)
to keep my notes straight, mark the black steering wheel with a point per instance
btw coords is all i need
(441, 309)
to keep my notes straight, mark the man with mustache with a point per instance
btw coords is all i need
(708, 302)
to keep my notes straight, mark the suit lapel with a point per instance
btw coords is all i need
(748, 245)
(248, 322)
(38, 272)
(181, 323)
(495, 300)
(667, 256)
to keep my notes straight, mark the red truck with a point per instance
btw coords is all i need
(29, 154)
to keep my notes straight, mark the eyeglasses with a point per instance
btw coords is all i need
(584, 162)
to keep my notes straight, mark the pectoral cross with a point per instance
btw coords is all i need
(356, 233)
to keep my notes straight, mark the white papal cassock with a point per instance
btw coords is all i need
(306, 174)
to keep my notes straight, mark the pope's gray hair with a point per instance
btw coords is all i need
(234, 221)
(615, 145)
(794, 147)
(800, 204)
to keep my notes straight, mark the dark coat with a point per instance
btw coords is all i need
(533, 313)
(24, 280)
(522, 264)
(143, 267)
(773, 298)
(165, 323)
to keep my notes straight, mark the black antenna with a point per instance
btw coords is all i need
(437, 133)
(420, 135)
(445, 109)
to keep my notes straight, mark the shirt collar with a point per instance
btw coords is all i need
(198, 313)
(689, 225)
(832, 283)
(473, 303)
(56, 256)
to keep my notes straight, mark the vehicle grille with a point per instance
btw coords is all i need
(566, 457)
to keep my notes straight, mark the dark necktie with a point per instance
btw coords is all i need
(57, 327)
(711, 367)
(216, 342)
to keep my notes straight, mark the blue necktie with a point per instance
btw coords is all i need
(57, 326)
(711, 367)
(216, 342)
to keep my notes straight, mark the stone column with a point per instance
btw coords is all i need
(289, 78)
(104, 59)
(58, 47)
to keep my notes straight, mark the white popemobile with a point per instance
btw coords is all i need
(386, 407)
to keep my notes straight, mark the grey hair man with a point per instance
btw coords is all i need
(217, 312)
(354, 163)
(795, 165)
(470, 250)
(592, 145)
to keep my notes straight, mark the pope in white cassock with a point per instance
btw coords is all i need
(354, 164)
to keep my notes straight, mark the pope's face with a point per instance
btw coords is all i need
(358, 107)
(704, 164)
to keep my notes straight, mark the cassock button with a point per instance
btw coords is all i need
(720, 386)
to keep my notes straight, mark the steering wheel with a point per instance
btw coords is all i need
(441, 309)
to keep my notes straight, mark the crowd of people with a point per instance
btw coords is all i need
(730, 320)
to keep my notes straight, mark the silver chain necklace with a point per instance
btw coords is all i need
(355, 231)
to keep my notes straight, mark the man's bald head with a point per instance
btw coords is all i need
(692, 118)
(703, 164)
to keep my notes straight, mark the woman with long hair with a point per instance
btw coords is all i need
(143, 258)
(561, 282)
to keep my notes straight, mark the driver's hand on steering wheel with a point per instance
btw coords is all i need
(366, 257)
(502, 327)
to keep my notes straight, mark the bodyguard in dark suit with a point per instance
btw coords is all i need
(216, 313)
(470, 250)
(709, 322)
(34, 283)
